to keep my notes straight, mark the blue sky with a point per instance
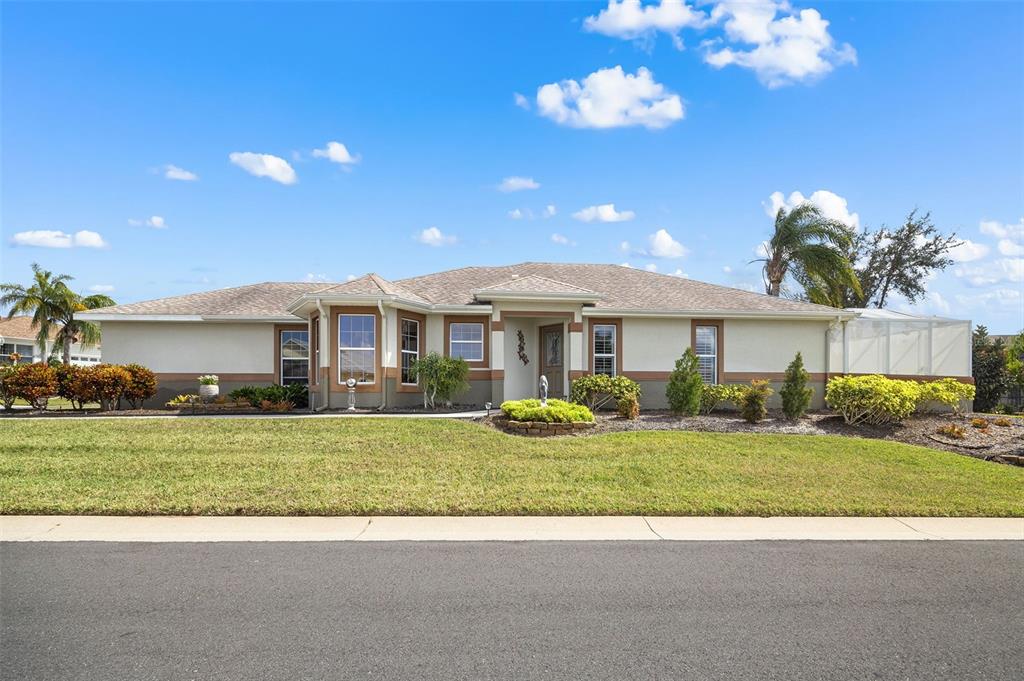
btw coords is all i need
(887, 107)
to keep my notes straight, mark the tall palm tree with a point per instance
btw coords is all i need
(53, 306)
(807, 242)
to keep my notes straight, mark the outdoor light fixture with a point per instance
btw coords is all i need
(487, 406)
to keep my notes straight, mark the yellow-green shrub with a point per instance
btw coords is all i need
(753, 401)
(945, 391)
(629, 408)
(872, 399)
(713, 395)
(597, 390)
(556, 411)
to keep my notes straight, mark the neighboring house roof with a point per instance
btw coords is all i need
(21, 327)
(602, 287)
(269, 299)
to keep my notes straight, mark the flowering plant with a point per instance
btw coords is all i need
(209, 379)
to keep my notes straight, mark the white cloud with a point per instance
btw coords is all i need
(604, 213)
(610, 98)
(156, 222)
(562, 240)
(264, 165)
(336, 152)
(626, 265)
(630, 20)
(651, 267)
(662, 245)
(173, 172)
(998, 271)
(832, 206)
(52, 238)
(1012, 231)
(1003, 299)
(796, 47)
(1007, 247)
(432, 236)
(550, 211)
(968, 251)
(351, 277)
(102, 288)
(515, 214)
(517, 184)
(625, 247)
(521, 101)
(727, 269)
(313, 278)
(680, 273)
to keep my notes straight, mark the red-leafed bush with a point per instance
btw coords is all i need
(142, 385)
(34, 383)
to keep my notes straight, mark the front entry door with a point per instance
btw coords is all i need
(552, 358)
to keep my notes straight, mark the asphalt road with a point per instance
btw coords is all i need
(643, 610)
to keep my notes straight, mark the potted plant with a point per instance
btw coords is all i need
(208, 386)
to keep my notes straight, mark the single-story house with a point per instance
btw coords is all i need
(512, 324)
(18, 339)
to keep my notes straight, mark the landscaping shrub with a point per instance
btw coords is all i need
(952, 430)
(598, 390)
(182, 400)
(109, 381)
(280, 406)
(685, 386)
(556, 411)
(714, 394)
(7, 395)
(980, 424)
(294, 393)
(991, 377)
(872, 399)
(945, 391)
(753, 401)
(67, 375)
(796, 394)
(629, 408)
(442, 378)
(1003, 422)
(34, 383)
(141, 386)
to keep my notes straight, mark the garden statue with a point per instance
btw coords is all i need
(543, 390)
(351, 383)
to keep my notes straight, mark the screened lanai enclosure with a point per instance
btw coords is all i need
(900, 344)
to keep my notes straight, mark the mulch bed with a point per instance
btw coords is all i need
(992, 443)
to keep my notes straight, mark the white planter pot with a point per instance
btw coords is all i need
(208, 392)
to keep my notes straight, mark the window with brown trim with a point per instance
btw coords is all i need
(294, 367)
(410, 349)
(604, 357)
(705, 346)
(357, 348)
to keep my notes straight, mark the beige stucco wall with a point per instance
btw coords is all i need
(519, 379)
(194, 347)
(769, 345)
(653, 344)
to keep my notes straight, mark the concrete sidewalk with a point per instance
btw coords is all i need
(498, 528)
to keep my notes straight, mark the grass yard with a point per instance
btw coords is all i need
(435, 467)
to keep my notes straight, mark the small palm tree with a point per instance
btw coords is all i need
(53, 306)
(805, 241)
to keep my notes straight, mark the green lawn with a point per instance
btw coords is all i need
(419, 466)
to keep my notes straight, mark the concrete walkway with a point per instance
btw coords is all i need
(504, 528)
(290, 415)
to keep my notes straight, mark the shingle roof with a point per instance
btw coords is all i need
(620, 288)
(532, 283)
(256, 300)
(20, 327)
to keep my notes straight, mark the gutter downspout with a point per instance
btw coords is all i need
(383, 352)
(320, 352)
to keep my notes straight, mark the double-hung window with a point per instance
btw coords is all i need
(410, 349)
(294, 357)
(706, 348)
(357, 342)
(604, 349)
(467, 341)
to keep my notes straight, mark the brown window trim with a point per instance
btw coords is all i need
(335, 384)
(421, 342)
(485, 363)
(720, 341)
(610, 321)
(278, 328)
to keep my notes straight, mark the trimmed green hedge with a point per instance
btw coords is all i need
(557, 411)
